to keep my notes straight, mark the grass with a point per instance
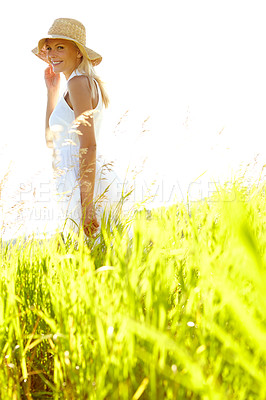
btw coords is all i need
(169, 305)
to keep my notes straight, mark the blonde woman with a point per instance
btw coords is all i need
(73, 121)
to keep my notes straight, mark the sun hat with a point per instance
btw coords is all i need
(69, 29)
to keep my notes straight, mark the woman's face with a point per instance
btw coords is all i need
(63, 55)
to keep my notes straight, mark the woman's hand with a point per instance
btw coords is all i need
(90, 223)
(52, 80)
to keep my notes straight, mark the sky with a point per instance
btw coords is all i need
(186, 79)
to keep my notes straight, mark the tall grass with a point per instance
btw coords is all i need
(170, 305)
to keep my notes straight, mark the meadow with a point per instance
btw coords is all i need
(168, 303)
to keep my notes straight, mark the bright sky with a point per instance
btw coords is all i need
(196, 68)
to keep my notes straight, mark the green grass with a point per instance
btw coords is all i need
(170, 305)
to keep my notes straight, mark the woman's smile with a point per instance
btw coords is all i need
(55, 63)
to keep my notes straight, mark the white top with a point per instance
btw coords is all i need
(66, 155)
(63, 116)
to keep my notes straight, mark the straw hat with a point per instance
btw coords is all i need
(69, 29)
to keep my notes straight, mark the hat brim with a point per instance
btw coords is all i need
(40, 52)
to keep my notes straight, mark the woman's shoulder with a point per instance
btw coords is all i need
(78, 83)
(77, 79)
(80, 91)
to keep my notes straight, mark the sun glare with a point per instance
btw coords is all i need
(192, 71)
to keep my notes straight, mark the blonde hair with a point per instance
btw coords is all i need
(86, 68)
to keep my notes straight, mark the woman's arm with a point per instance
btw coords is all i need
(52, 82)
(81, 100)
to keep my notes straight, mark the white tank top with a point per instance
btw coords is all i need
(66, 140)
(63, 117)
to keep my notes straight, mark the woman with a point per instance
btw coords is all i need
(73, 122)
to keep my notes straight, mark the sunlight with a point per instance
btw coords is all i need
(193, 72)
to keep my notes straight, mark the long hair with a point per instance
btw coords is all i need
(86, 67)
